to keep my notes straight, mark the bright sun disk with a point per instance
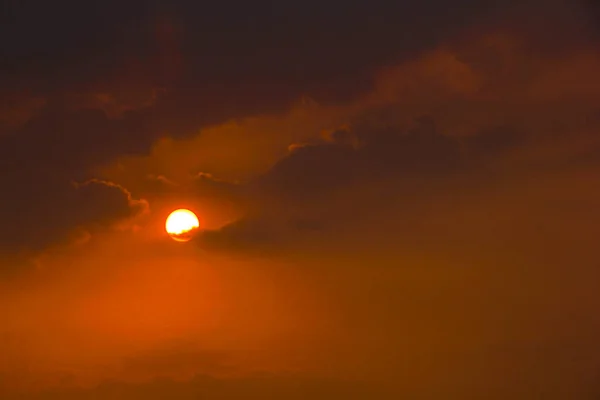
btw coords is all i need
(181, 224)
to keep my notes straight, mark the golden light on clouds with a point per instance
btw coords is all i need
(181, 225)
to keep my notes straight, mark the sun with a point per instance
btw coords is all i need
(181, 225)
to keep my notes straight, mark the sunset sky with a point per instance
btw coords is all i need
(397, 199)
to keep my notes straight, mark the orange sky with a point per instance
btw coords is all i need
(415, 217)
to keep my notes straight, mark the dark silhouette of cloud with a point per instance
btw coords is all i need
(496, 141)
(233, 66)
(86, 85)
(299, 197)
(37, 216)
(318, 188)
(381, 155)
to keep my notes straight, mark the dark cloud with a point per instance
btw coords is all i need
(38, 166)
(352, 158)
(39, 214)
(112, 79)
(310, 169)
(317, 186)
(496, 141)
(254, 234)
(260, 41)
(319, 189)
(69, 142)
(258, 59)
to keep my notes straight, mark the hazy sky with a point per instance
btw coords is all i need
(398, 200)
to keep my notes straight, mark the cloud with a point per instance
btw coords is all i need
(382, 154)
(41, 214)
(135, 74)
(94, 193)
(298, 195)
(496, 141)
(248, 71)
(470, 113)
